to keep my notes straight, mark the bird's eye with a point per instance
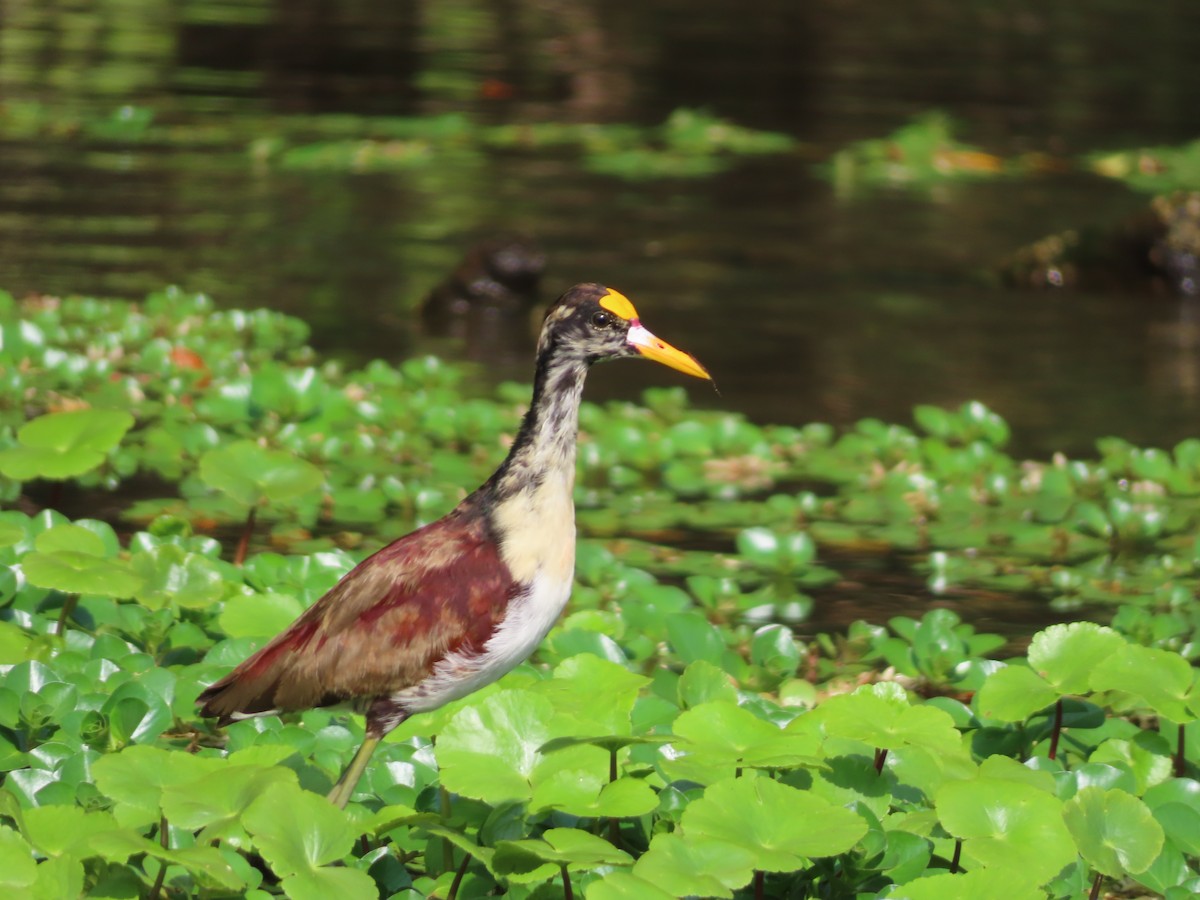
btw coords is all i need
(601, 320)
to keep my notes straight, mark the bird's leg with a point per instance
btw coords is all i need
(340, 795)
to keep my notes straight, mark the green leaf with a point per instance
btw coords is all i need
(766, 549)
(488, 751)
(983, 884)
(258, 615)
(58, 878)
(703, 682)
(299, 834)
(571, 847)
(207, 862)
(58, 830)
(1065, 655)
(14, 644)
(1147, 756)
(173, 577)
(880, 715)
(1158, 679)
(75, 572)
(1013, 694)
(774, 648)
(588, 793)
(696, 865)
(1008, 824)
(781, 826)
(64, 444)
(135, 778)
(251, 474)
(18, 871)
(595, 693)
(721, 737)
(694, 638)
(1115, 831)
(137, 712)
(73, 538)
(216, 799)
(621, 885)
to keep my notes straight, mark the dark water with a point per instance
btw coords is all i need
(806, 304)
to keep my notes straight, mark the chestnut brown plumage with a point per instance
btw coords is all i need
(454, 605)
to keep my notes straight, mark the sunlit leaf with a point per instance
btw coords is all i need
(300, 834)
(1115, 831)
(64, 444)
(780, 825)
(1008, 825)
(252, 474)
(488, 751)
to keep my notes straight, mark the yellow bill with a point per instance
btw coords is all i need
(660, 351)
(646, 343)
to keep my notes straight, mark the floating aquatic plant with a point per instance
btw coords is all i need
(683, 731)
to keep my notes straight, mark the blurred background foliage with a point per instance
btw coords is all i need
(336, 160)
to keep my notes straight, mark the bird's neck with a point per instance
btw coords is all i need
(532, 508)
(544, 448)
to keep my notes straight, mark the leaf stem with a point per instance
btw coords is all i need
(1095, 887)
(243, 544)
(880, 759)
(1180, 759)
(568, 893)
(444, 811)
(164, 839)
(65, 613)
(759, 884)
(957, 856)
(1057, 730)
(458, 877)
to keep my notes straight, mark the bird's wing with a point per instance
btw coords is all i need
(381, 628)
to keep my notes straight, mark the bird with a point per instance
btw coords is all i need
(454, 605)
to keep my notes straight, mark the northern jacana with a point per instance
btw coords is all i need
(454, 605)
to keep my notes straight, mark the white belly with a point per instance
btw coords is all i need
(529, 618)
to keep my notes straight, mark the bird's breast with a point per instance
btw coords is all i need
(530, 615)
(535, 529)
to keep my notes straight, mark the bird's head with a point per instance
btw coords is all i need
(596, 323)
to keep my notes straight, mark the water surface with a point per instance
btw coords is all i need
(805, 302)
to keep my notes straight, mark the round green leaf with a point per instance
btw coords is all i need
(1013, 694)
(173, 577)
(18, 871)
(1158, 679)
(258, 615)
(1007, 824)
(774, 648)
(982, 884)
(134, 779)
(780, 825)
(300, 834)
(216, 798)
(696, 865)
(1115, 831)
(721, 737)
(73, 538)
(571, 847)
(488, 751)
(64, 444)
(1065, 655)
(880, 715)
(75, 572)
(251, 474)
(622, 885)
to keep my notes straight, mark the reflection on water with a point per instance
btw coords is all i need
(805, 305)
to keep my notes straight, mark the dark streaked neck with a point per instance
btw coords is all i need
(545, 443)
